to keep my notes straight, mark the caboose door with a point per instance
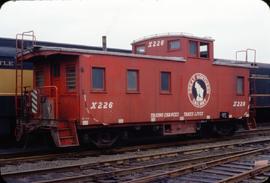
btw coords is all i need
(50, 105)
(63, 77)
(50, 92)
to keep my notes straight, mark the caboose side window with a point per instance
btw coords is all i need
(193, 48)
(98, 78)
(70, 77)
(174, 44)
(204, 52)
(140, 49)
(39, 75)
(132, 80)
(240, 85)
(165, 82)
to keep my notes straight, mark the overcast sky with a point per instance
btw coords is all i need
(234, 24)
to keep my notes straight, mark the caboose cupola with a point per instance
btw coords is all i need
(175, 45)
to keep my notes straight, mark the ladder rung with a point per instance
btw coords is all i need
(67, 137)
(64, 129)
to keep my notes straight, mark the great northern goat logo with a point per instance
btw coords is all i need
(199, 90)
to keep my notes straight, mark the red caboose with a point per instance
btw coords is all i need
(169, 85)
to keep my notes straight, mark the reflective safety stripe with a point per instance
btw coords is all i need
(33, 111)
(34, 107)
(34, 101)
(34, 95)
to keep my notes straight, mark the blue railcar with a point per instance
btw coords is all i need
(260, 91)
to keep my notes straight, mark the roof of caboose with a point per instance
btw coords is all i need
(234, 63)
(46, 51)
(10, 45)
(172, 34)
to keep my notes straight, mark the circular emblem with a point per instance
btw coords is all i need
(199, 90)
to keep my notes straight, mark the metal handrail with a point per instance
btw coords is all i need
(19, 64)
(56, 98)
(246, 51)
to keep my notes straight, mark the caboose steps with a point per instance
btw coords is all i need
(65, 134)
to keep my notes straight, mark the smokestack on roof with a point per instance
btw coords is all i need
(104, 43)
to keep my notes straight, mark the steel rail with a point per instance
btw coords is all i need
(10, 159)
(141, 157)
(246, 175)
(125, 171)
(196, 167)
(26, 158)
(52, 155)
(134, 158)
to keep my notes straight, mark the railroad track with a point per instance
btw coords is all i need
(144, 168)
(49, 156)
(233, 168)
